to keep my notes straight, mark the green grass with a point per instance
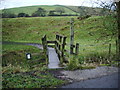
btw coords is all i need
(14, 55)
(93, 34)
(18, 72)
(30, 81)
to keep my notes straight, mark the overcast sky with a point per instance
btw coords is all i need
(20, 3)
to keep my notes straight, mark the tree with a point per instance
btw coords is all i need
(51, 13)
(23, 15)
(113, 6)
(8, 14)
(107, 6)
(118, 16)
(39, 12)
(60, 10)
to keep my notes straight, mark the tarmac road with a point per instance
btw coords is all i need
(109, 81)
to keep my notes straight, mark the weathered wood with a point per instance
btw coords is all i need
(60, 46)
(63, 48)
(51, 42)
(118, 6)
(109, 53)
(77, 49)
(60, 43)
(109, 48)
(71, 35)
(116, 49)
(44, 43)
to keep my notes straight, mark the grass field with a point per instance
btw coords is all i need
(94, 34)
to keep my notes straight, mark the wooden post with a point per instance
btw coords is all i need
(77, 49)
(109, 52)
(118, 20)
(60, 38)
(109, 48)
(71, 35)
(116, 49)
(118, 6)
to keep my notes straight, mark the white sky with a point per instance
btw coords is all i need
(20, 3)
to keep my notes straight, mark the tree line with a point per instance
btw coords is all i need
(40, 12)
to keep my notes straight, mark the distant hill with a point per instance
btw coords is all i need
(73, 10)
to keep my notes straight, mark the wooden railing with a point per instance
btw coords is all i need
(45, 49)
(60, 43)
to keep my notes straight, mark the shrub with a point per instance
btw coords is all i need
(39, 12)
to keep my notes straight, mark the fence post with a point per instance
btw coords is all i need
(77, 49)
(110, 52)
(71, 35)
(116, 49)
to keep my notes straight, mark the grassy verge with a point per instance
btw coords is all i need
(18, 72)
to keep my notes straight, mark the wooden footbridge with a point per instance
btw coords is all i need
(56, 53)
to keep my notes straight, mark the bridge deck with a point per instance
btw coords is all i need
(53, 58)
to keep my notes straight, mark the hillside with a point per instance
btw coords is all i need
(91, 33)
(31, 9)
(73, 10)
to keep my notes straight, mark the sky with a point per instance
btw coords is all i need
(20, 3)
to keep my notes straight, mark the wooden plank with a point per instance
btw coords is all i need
(58, 51)
(60, 46)
(51, 42)
(58, 42)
